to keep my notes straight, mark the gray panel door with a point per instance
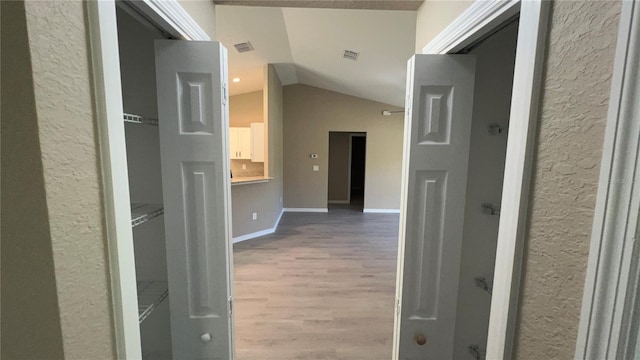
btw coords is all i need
(436, 151)
(193, 119)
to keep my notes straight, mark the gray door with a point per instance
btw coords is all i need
(436, 151)
(193, 119)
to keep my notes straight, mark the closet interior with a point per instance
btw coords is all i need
(137, 67)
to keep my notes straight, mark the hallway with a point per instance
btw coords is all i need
(321, 287)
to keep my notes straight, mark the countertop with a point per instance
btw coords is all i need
(249, 180)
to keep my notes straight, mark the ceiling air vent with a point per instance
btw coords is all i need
(351, 55)
(243, 47)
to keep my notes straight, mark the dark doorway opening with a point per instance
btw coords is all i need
(347, 156)
(358, 158)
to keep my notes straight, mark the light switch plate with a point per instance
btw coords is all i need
(255, 216)
(316, 168)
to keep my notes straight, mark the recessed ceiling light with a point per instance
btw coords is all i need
(236, 79)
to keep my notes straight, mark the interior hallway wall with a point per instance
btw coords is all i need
(66, 129)
(577, 79)
(30, 327)
(339, 167)
(310, 114)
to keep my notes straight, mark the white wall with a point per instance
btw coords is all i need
(492, 98)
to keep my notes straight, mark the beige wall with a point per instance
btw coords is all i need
(70, 174)
(339, 166)
(435, 15)
(204, 13)
(274, 105)
(246, 108)
(309, 115)
(30, 327)
(263, 198)
(579, 63)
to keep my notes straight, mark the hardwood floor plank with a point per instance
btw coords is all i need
(321, 287)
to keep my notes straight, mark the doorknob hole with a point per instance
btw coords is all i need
(421, 339)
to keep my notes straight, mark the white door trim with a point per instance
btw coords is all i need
(612, 273)
(478, 21)
(171, 17)
(103, 32)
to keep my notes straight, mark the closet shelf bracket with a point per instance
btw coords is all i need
(137, 119)
(141, 213)
(150, 295)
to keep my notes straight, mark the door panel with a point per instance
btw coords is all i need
(437, 135)
(193, 119)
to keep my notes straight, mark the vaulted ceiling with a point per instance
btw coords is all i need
(307, 44)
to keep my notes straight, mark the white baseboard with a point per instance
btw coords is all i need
(339, 202)
(320, 210)
(259, 233)
(382, 211)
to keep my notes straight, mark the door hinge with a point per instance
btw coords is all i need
(398, 305)
(230, 305)
(224, 92)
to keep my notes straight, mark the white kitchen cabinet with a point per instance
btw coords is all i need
(240, 143)
(257, 142)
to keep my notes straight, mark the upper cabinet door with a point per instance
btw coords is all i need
(193, 119)
(234, 143)
(245, 142)
(434, 180)
(257, 142)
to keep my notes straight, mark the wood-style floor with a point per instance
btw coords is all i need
(321, 287)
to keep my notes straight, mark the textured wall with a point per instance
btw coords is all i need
(310, 114)
(579, 63)
(62, 87)
(27, 258)
(435, 15)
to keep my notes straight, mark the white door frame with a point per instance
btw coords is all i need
(612, 279)
(479, 20)
(173, 19)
